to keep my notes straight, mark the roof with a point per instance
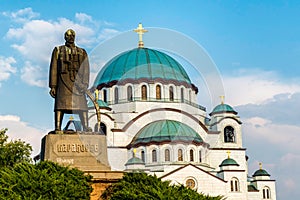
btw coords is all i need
(261, 172)
(166, 131)
(223, 108)
(142, 64)
(101, 104)
(229, 162)
(133, 161)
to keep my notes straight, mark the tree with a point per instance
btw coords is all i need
(13, 152)
(140, 186)
(45, 180)
(20, 179)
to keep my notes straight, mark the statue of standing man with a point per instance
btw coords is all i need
(68, 81)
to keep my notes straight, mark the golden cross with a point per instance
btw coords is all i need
(260, 165)
(222, 97)
(140, 31)
(134, 152)
(228, 153)
(71, 117)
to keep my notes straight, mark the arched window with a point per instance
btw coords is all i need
(167, 155)
(180, 155)
(190, 183)
(143, 156)
(191, 155)
(229, 135)
(105, 96)
(129, 93)
(116, 95)
(103, 128)
(154, 156)
(234, 185)
(158, 92)
(266, 193)
(144, 92)
(171, 93)
(182, 95)
(200, 156)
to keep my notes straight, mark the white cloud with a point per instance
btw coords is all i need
(6, 67)
(283, 136)
(36, 38)
(22, 15)
(18, 129)
(256, 86)
(33, 75)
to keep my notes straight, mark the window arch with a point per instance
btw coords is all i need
(180, 155)
(229, 134)
(144, 92)
(190, 183)
(167, 155)
(116, 95)
(103, 129)
(171, 93)
(158, 92)
(192, 155)
(143, 155)
(129, 93)
(200, 156)
(182, 95)
(154, 156)
(266, 193)
(234, 185)
(105, 96)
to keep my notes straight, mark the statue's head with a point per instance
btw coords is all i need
(70, 36)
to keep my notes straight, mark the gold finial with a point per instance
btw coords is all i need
(228, 153)
(96, 94)
(134, 152)
(222, 97)
(140, 31)
(260, 165)
(71, 118)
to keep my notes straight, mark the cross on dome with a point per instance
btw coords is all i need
(140, 31)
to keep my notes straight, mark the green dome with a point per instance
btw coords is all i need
(141, 64)
(229, 162)
(261, 172)
(223, 108)
(165, 131)
(134, 161)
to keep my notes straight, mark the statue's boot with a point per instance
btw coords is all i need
(58, 119)
(84, 121)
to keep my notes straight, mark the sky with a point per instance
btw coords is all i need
(255, 46)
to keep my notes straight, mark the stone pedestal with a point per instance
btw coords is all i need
(84, 151)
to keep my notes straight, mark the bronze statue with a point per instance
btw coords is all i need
(69, 80)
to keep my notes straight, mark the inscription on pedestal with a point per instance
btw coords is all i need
(86, 152)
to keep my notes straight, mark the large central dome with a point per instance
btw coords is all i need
(142, 64)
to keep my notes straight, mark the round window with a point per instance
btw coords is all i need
(190, 183)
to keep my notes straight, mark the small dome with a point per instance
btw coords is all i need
(165, 131)
(223, 108)
(144, 65)
(134, 161)
(261, 172)
(229, 162)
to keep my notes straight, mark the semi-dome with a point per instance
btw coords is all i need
(228, 162)
(223, 108)
(165, 131)
(261, 172)
(142, 65)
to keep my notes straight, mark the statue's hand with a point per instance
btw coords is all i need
(53, 92)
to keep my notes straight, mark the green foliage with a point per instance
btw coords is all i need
(13, 152)
(140, 186)
(45, 180)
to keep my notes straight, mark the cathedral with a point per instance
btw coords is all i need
(153, 123)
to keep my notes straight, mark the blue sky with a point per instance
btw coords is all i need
(255, 45)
